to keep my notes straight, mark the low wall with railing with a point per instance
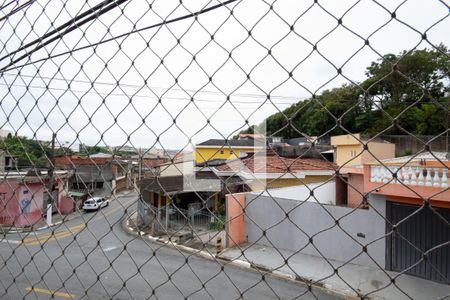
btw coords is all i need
(410, 175)
(409, 183)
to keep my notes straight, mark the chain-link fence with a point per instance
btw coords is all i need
(224, 149)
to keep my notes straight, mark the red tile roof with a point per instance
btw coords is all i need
(276, 164)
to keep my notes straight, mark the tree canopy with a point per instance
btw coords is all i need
(29, 153)
(403, 93)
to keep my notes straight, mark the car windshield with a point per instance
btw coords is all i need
(89, 201)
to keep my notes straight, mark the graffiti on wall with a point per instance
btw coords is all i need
(25, 203)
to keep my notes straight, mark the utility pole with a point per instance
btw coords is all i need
(140, 163)
(51, 183)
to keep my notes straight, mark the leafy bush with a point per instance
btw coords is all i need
(218, 224)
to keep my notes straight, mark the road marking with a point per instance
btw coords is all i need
(56, 233)
(10, 241)
(40, 239)
(49, 292)
(53, 236)
(107, 249)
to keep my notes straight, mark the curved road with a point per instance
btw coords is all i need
(91, 257)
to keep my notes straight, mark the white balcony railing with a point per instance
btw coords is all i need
(410, 175)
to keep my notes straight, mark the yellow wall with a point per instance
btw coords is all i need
(344, 155)
(259, 185)
(205, 154)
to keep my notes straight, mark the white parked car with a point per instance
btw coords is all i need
(95, 203)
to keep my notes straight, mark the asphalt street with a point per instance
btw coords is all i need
(92, 257)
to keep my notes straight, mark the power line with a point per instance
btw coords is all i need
(94, 13)
(15, 10)
(244, 95)
(56, 30)
(8, 4)
(194, 14)
(140, 96)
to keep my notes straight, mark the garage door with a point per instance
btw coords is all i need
(418, 232)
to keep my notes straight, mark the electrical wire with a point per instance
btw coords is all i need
(137, 96)
(8, 4)
(15, 10)
(194, 14)
(127, 85)
(92, 14)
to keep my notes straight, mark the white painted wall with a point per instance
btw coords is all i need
(324, 193)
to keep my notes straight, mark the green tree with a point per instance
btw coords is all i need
(411, 87)
(28, 152)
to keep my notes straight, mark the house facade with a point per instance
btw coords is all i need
(24, 197)
(99, 175)
(400, 223)
(267, 170)
(217, 149)
(417, 212)
(349, 150)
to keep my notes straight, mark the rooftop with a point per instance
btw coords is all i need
(273, 163)
(232, 143)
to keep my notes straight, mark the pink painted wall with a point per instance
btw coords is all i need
(66, 204)
(235, 219)
(9, 206)
(355, 190)
(21, 204)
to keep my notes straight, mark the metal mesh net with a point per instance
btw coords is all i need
(224, 149)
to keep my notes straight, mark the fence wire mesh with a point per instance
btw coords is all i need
(224, 149)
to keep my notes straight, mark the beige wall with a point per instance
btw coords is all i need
(345, 139)
(345, 157)
(380, 151)
(347, 149)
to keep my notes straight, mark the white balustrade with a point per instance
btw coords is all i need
(399, 175)
(414, 176)
(444, 179)
(406, 175)
(428, 178)
(421, 178)
(436, 179)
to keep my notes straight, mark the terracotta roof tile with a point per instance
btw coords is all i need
(276, 164)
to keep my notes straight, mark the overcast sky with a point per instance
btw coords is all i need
(123, 83)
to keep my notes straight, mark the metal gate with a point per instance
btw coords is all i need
(419, 243)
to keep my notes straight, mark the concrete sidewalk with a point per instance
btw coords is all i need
(373, 282)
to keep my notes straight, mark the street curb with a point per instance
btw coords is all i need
(243, 264)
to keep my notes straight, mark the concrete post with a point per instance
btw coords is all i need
(49, 215)
(167, 212)
(159, 207)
